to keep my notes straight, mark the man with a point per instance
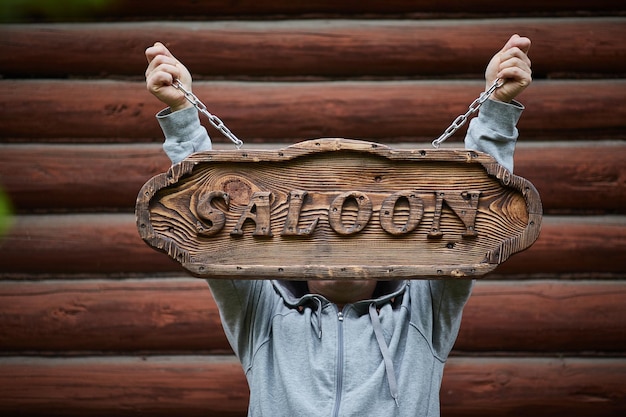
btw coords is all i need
(344, 348)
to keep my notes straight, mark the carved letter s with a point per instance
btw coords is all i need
(209, 215)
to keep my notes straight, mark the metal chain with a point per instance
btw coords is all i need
(456, 124)
(461, 119)
(215, 121)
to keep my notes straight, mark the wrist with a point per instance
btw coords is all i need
(180, 106)
(499, 96)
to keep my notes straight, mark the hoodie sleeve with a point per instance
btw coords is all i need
(183, 132)
(239, 302)
(448, 297)
(245, 308)
(494, 132)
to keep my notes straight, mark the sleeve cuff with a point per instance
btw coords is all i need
(183, 132)
(182, 123)
(503, 117)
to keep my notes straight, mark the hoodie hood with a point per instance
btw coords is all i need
(296, 293)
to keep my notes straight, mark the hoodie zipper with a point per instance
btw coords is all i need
(339, 364)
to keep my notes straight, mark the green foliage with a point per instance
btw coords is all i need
(49, 10)
(6, 213)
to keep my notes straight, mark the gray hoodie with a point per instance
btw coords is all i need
(385, 356)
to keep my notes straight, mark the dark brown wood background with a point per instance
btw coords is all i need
(93, 322)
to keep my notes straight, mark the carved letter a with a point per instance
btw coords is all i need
(258, 211)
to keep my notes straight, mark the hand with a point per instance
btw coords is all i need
(512, 66)
(162, 69)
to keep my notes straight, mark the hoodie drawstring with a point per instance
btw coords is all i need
(316, 318)
(384, 350)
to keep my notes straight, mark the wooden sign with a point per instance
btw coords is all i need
(338, 208)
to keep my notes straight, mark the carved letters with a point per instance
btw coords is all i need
(259, 212)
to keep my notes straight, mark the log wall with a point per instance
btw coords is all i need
(93, 322)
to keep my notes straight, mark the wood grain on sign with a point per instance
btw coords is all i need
(339, 209)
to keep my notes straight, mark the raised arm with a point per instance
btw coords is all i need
(180, 123)
(494, 131)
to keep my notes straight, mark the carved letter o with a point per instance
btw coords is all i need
(387, 209)
(363, 215)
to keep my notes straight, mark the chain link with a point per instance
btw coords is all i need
(461, 119)
(215, 121)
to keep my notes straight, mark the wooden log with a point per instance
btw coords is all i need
(193, 386)
(189, 9)
(179, 315)
(62, 177)
(576, 178)
(524, 387)
(75, 243)
(570, 178)
(323, 48)
(567, 245)
(123, 386)
(66, 244)
(544, 316)
(250, 7)
(129, 315)
(403, 110)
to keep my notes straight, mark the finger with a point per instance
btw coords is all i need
(515, 54)
(157, 49)
(165, 74)
(159, 79)
(515, 62)
(516, 41)
(162, 63)
(523, 44)
(509, 44)
(516, 74)
(152, 51)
